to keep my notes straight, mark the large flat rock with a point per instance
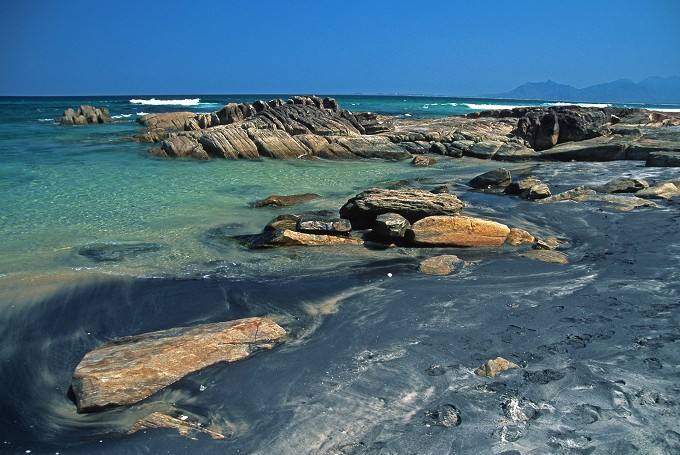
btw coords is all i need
(129, 369)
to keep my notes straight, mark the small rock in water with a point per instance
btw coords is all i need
(439, 265)
(491, 179)
(436, 370)
(546, 256)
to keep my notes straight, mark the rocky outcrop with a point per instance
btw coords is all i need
(85, 115)
(166, 120)
(363, 209)
(457, 231)
(131, 368)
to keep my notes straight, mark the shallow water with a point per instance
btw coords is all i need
(100, 241)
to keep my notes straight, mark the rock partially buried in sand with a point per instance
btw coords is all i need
(270, 239)
(458, 231)
(492, 367)
(129, 369)
(546, 256)
(183, 427)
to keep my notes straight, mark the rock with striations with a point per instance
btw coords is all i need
(165, 121)
(458, 231)
(85, 115)
(666, 190)
(622, 185)
(281, 201)
(132, 368)
(497, 177)
(412, 204)
(230, 142)
(577, 193)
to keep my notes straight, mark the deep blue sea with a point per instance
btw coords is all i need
(100, 241)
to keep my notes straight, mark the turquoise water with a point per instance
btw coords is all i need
(69, 188)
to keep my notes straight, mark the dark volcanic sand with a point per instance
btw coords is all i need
(383, 365)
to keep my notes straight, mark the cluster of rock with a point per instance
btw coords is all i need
(314, 127)
(410, 217)
(85, 115)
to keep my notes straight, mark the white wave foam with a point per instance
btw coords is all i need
(142, 113)
(121, 116)
(488, 107)
(46, 120)
(665, 109)
(155, 102)
(560, 103)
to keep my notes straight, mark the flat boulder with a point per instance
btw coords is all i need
(666, 190)
(663, 159)
(129, 369)
(413, 204)
(459, 230)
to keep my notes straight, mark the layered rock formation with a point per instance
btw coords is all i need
(129, 369)
(85, 115)
(314, 127)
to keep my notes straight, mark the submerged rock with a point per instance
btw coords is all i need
(104, 252)
(129, 369)
(458, 231)
(287, 237)
(292, 199)
(574, 194)
(183, 427)
(445, 415)
(412, 204)
(439, 265)
(546, 256)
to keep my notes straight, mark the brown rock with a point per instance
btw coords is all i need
(439, 265)
(521, 186)
(492, 367)
(288, 237)
(421, 160)
(131, 368)
(229, 142)
(540, 191)
(550, 243)
(458, 231)
(183, 427)
(293, 199)
(283, 222)
(546, 256)
(518, 236)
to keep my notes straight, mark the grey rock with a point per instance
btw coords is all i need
(664, 159)
(391, 225)
(622, 185)
(311, 224)
(497, 177)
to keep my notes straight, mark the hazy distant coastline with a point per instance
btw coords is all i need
(654, 89)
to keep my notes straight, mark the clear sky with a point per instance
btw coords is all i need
(76, 47)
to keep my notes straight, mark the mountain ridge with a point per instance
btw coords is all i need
(654, 89)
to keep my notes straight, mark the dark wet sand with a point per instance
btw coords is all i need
(597, 341)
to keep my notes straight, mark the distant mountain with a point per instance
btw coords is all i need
(651, 90)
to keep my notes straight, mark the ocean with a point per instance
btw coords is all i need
(101, 241)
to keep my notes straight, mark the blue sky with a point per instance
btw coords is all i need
(330, 47)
